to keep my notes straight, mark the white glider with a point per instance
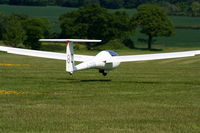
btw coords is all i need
(104, 61)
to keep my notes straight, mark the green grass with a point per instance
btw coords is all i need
(152, 96)
(182, 38)
(184, 20)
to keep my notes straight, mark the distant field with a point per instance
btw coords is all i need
(182, 38)
(51, 13)
(37, 95)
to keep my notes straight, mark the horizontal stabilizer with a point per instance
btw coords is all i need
(66, 40)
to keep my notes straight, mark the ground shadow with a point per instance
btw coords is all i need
(96, 80)
(146, 49)
(88, 80)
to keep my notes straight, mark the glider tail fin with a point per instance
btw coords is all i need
(70, 57)
(70, 66)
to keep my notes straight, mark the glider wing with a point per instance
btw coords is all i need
(44, 54)
(147, 57)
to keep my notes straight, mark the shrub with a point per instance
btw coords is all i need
(113, 44)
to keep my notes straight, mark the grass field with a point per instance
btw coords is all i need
(37, 95)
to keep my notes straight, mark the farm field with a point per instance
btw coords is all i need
(50, 13)
(185, 38)
(37, 95)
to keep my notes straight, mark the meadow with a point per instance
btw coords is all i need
(37, 95)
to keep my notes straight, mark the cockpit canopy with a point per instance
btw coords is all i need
(112, 53)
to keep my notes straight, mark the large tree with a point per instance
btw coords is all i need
(195, 8)
(13, 32)
(2, 24)
(94, 22)
(153, 22)
(36, 29)
(18, 29)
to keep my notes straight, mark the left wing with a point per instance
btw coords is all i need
(146, 57)
(44, 54)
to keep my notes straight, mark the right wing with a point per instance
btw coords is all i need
(146, 57)
(44, 54)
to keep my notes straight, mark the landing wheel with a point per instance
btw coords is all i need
(103, 72)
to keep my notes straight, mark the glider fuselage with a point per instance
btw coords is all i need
(102, 61)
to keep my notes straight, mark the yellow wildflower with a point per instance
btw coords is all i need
(17, 65)
(11, 92)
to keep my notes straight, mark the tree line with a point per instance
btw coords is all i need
(23, 31)
(89, 22)
(175, 7)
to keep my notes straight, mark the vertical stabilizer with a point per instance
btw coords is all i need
(69, 57)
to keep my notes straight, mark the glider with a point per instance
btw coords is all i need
(104, 61)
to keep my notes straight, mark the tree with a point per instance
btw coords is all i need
(94, 22)
(112, 4)
(195, 8)
(121, 23)
(13, 33)
(129, 4)
(59, 2)
(153, 22)
(88, 22)
(20, 29)
(35, 29)
(29, 2)
(34, 33)
(15, 2)
(71, 3)
(2, 24)
(171, 8)
(86, 2)
(4, 1)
